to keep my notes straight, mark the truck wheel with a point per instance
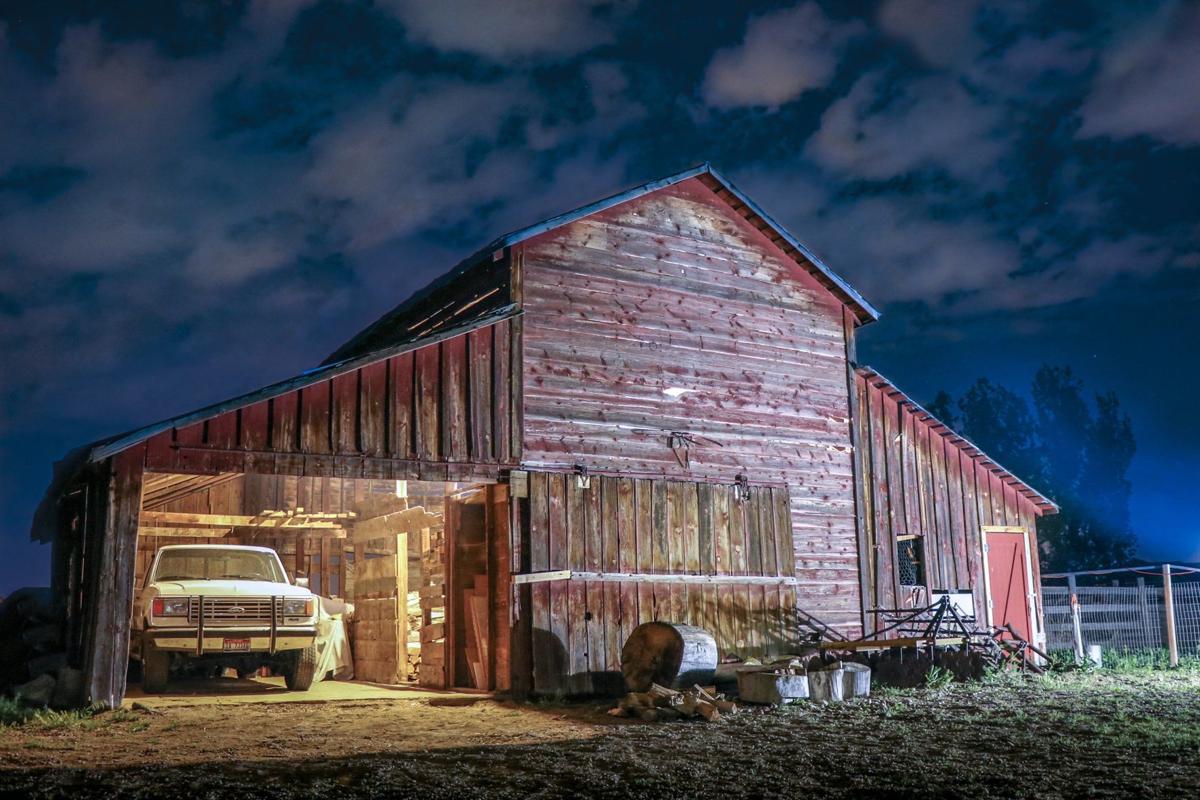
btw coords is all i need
(301, 669)
(156, 668)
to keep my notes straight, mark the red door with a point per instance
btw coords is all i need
(1008, 581)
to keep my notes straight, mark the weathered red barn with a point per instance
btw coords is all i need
(647, 408)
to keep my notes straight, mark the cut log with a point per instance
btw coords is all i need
(669, 655)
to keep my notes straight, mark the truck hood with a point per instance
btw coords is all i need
(227, 588)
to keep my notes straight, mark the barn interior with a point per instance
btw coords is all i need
(409, 567)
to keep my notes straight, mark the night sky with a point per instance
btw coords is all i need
(200, 198)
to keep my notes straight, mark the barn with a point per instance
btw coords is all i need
(649, 408)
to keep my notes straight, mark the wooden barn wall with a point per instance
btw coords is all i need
(569, 632)
(920, 482)
(676, 290)
(437, 412)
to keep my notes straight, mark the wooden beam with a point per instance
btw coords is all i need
(267, 519)
(652, 577)
(248, 531)
(196, 532)
(542, 577)
(411, 520)
(885, 644)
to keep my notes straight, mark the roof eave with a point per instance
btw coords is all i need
(1039, 500)
(850, 295)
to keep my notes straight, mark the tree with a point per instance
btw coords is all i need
(999, 421)
(942, 407)
(1080, 458)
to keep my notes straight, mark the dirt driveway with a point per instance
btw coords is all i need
(1079, 735)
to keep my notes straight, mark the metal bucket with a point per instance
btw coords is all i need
(770, 689)
(827, 685)
(857, 680)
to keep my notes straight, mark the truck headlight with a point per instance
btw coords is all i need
(171, 606)
(298, 606)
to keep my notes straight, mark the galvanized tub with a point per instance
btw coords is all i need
(767, 688)
(827, 685)
(856, 680)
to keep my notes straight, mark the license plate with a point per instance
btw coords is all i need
(235, 644)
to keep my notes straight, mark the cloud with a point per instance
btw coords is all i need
(1149, 82)
(783, 55)
(1097, 265)
(942, 32)
(142, 235)
(509, 29)
(881, 130)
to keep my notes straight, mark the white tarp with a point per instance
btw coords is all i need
(334, 660)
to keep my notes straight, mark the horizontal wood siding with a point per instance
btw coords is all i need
(431, 413)
(677, 291)
(927, 482)
(575, 628)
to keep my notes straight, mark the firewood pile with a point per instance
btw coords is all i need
(660, 704)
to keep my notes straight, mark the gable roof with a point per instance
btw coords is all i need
(740, 203)
(376, 334)
(1045, 504)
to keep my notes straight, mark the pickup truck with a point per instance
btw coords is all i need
(224, 606)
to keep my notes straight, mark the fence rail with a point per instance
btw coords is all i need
(1123, 617)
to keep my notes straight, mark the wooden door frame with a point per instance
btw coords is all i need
(1031, 590)
(453, 601)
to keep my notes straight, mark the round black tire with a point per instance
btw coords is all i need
(156, 668)
(301, 669)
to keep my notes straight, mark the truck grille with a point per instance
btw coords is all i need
(238, 610)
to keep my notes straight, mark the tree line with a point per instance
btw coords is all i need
(1074, 449)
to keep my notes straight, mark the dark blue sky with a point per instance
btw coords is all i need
(199, 198)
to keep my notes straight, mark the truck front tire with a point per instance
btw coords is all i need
(156, 668)
(301, 669)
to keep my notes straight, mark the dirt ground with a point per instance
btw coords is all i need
(1079, 735)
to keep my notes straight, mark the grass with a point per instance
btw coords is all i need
(13, 714)
(938, 678)
(1135, 661)
(1124, 662)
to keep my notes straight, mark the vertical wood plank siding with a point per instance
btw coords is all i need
(576, 627)
(931, 483)
(677, 291)
(448, 404)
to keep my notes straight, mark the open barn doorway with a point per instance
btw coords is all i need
(373, 554)
(476, 546)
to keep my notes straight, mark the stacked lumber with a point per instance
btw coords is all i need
(380, 628)
(475, 614)
(432, 593)
(413, 638)
(375, 641)
(659, 703)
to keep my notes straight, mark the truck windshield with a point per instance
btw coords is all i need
(214, 563)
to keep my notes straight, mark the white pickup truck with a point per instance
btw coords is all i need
(225, 606)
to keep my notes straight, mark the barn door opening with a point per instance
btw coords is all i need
(472, 546)
(1008, 579)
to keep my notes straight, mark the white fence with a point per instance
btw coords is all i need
(1123, 618)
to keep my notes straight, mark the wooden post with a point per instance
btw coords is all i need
(1076, 619)
(1169, 610)
(1143, 609)
(401, 607)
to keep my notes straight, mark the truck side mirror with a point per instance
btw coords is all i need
(302, 581)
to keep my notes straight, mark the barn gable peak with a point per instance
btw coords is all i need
(480, 283)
